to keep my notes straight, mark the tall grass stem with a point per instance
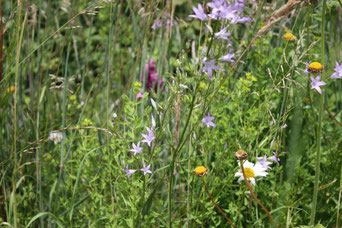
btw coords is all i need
(319, 129)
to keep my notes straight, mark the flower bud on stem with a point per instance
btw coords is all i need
(254, 196)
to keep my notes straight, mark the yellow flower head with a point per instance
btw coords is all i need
(10, 89)
(315, 67)
(289, 37)
(201, 171)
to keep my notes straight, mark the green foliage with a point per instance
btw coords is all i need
(72, 78)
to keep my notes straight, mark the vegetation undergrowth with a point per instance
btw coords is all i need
(145, 113)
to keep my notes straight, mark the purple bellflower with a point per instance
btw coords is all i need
(136, 148)
(222, 34)
(218, 9)
(263, 161)
(274, 158)
(228, 58)
(148, 138)
(146, 169)
(316, 83)
(209, 67)
(128, 172)
(199, 13)
(306, 68)
(338, 71)
(208, 120)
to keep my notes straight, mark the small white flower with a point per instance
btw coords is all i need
(183, 86)
(56, 136)
(251, 171)
(153, 104)
(153, 122)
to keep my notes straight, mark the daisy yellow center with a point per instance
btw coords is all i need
(249, 172)
(200, 170)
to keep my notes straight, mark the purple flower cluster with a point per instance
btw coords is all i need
(129, 172)
(158, 23)
(137, 149)
(220, 10)
(265, 163)
(151, 76)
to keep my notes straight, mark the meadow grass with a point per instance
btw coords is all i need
(110, 110)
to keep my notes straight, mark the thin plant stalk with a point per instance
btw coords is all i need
(339, 202)
(319, 129)
(16, 82)
(254, 196)
(212, 200)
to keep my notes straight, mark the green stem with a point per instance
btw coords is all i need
(16, 83)
(218, 208)
(319, 130)
(174, 155)
(254, 196)
(339, 201)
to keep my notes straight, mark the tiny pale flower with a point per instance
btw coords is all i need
(274, 158)
(56, 137)
(148, 138)
(128, 172)
(316, 83)
(338, 71)
(136, 148)
(306, 71)
(208, 120)
(146, 169)
(222, 34)
(228, 58)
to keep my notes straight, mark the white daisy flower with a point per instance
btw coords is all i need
(252, 171)
(56, 136)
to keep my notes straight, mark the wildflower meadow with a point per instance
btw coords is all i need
(171, 113)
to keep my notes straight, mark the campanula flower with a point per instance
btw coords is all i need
(148, 138)
(128, 172)
(146, 169)
(209, 67)
(199, 13)
(316, 83)
(208, 120)
(338, 71)
(136, 148)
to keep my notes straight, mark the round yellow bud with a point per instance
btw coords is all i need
(201, 171)
(315, 67)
